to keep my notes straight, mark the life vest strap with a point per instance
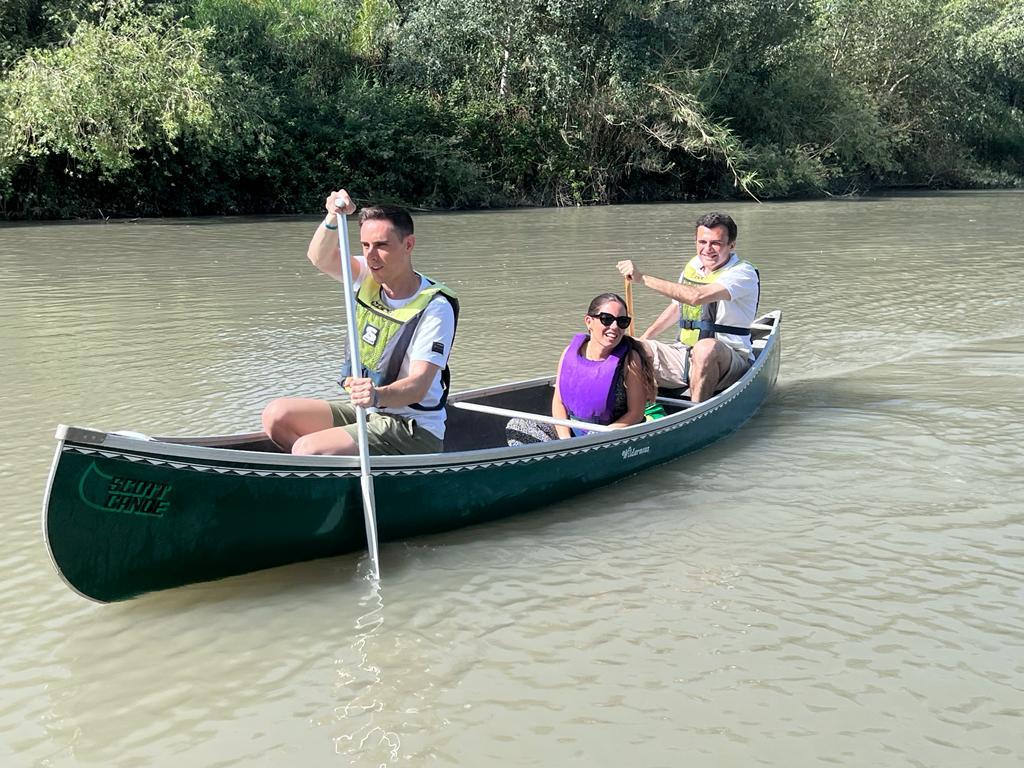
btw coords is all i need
(446, 378)
(707, 325)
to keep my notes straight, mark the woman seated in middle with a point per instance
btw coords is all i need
(604, 377)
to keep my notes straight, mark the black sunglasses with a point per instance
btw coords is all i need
(607, 319)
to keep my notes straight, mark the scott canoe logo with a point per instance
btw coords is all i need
(111, 493)
(629, 453)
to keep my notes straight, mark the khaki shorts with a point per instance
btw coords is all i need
(386, 434)
(672, 365)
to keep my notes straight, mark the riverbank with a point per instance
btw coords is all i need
(107, 215)
(215, 107)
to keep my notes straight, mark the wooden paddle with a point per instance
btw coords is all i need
(629, 303)
(366, 478)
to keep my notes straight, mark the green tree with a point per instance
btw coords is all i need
(988, 52)
(597, 87)
(222, 106)
(118, 86)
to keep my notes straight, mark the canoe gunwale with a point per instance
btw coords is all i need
(200, 454)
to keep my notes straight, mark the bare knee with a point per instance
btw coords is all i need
(306, 446)
(702, 351)
(284, 421)
(274, 413)
(276, 423)
(332, 442)
(705, 369)
(703, 355)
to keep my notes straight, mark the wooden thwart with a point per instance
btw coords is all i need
(532, 417)
(572, 423)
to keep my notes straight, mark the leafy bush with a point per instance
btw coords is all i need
(257, 106)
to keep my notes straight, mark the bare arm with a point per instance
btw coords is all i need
(694, 295)
(399, 393)
(668, 318)
(635, 399)
(558, 407)
(323, 248)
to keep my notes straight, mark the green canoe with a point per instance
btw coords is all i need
(126, 514)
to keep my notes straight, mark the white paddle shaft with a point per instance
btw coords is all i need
(356, 365)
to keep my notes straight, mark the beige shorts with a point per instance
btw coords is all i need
(386, 434)
(672, 365)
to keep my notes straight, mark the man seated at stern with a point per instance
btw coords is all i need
(714, 302)
(406, 324)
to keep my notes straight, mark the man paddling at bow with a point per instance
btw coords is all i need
(406, 324)
(714, 302)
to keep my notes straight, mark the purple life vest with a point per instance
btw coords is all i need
(587, 386)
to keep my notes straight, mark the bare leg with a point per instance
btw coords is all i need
(336, 441)
(709, 363)
(287, 419)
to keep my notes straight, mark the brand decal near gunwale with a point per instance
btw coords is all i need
(629, 453)
(112, 493)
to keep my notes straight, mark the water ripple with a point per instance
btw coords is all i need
(839, 583)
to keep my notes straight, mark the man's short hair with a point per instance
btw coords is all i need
(398, 217)
(718, 219)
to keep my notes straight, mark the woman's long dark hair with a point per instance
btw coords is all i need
(637, 359)
(639, 362)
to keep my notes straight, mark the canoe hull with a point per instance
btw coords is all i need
(125, 516)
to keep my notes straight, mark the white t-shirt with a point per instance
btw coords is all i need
(431, 342)
(741, 309)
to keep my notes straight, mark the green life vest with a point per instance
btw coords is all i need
(698, 322)
(385, 333)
